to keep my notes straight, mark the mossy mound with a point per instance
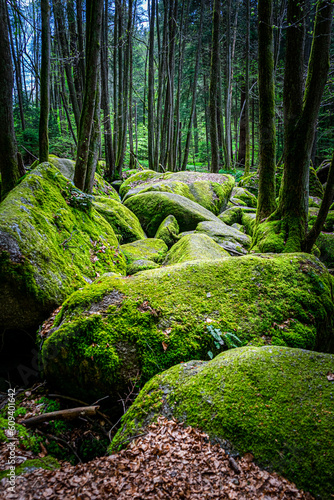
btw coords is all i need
(150, 248)
(273, 402)
(248, 221)
(125, 224)
(111, 331)
(211, 191)
(153, 207)
(325, 244)
(168, 230)
(251, 183)
(51, 243)
(195, 247)
(248, 199)
(222, 233)
(100, 186)
(141, 265)
(329, 222)
(315, 186)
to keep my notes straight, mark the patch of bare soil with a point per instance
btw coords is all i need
(167, 461)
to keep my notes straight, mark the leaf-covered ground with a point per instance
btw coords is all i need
(166, 461)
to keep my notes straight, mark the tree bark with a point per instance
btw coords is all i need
(214, 77)
(93, 37)
(150, 97)
(267, 141)
(45, 84)
(8, 149)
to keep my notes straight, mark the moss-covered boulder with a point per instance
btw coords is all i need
(315, 186)
(251, 183)
(233, 215)
(100, 186)
(168, 230)
(153, 207)
(51, 243)
(248, 199)
(274, 402)
(223, 233)
(125, 224)
(141, 265)
(248, 221)
(211, 191)
(110, 332)
(325, 244)
(150, 248)
(195, 247)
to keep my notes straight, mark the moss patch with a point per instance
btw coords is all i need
(47, 463)
(141, 265)
(194, 247)
(222, 233)
(110, 331)
(168, 230)
(150, 248)
(273, 402)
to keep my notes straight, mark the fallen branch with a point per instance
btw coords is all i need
(103, 415)
(61, 414)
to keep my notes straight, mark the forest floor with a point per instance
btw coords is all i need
(166, 461)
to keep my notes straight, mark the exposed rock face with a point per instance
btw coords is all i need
(211, 191)
(195, 247)
(153, 207)
(222, 233)
(161, 316)
(51, 243)
(274, 402)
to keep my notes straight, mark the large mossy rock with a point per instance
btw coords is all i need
(247, 198)
(100, 186)
(233, 215)
(150, 248)
(111, 331)
(153, 207)
(325, 244)
(223, 234)
(135, 179)
(195, 247)
(125, 224)
(51, 243)
(168, 230)
(274, 402)
(211, 191)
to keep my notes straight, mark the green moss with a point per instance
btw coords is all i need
(110, 331)
(273, 402)
(48, 248)
(135, 179)
(25, 437)
(315, 185)
(168, 230)
(211, 191)
(325, 243)
(251, 183)
(153, 207)
(223, 234)
(102, 188)
(150, 248)
(125, 224)
(248, 198)
(46, 463)
(194, 247)
(141, 265)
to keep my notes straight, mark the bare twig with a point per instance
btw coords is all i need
(61, 414)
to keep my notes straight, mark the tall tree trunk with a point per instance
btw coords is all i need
(214, 77)
(194, 94)
(8, 149)
(267, 143)
(95, 141)
(247, 140)
(108, 140)
(45, 84)
(93, 37)
(150, 115)
(18, 78)
(228, 99)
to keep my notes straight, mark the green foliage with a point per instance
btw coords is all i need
(76, 198)
(227, 338)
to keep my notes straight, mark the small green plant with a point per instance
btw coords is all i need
(230, 339)
(76, 198)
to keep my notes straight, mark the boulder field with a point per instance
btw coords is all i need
(273, 402)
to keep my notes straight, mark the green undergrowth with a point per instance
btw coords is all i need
(117, 328)
(273, 402)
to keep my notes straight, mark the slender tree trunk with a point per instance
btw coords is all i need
(95, 141)
(45, 84)
(150, 115)
(247, 139)
(93, 37)
(228, 100)
(8, 149)
(194, 94)
(18, 78)
(214, 77)
(267, 142)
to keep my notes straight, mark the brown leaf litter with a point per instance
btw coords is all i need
(167, 461)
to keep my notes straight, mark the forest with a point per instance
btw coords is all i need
(167, 249)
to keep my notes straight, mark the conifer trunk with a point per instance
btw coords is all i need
(45, 84)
